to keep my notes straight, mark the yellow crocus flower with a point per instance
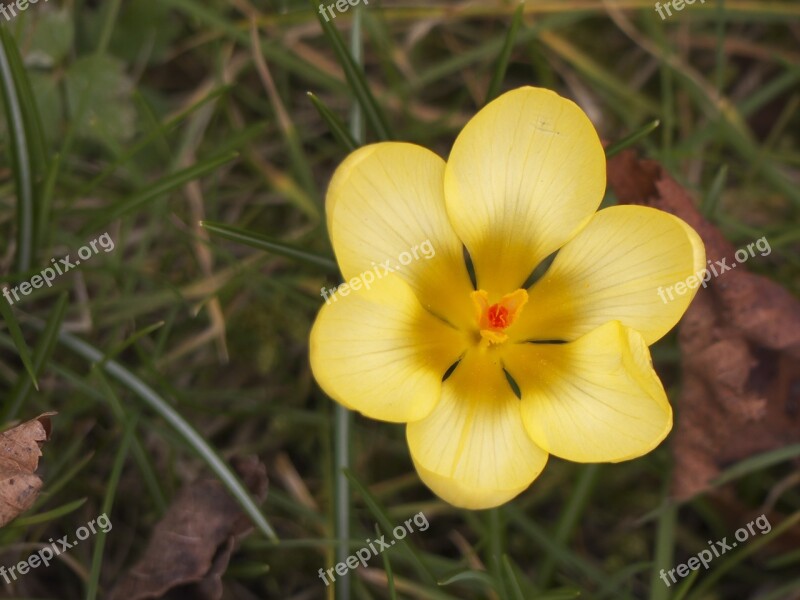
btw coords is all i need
(524, 180)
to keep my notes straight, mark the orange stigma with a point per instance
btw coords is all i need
(498, 316)
(493, 319)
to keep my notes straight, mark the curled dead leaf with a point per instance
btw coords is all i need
(20, 450)
(190, 547)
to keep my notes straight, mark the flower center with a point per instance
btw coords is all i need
(493, 319)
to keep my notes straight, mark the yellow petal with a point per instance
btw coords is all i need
(622, 266)
(524, 176)
(385, 203)
(378, 351)
(596, 399)
(472, 450)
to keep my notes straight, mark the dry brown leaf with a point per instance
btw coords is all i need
(740, 346)
(191, 545)
(20, 449)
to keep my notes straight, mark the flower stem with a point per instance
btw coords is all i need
(343, 416)
(497, 549)
(342, 424)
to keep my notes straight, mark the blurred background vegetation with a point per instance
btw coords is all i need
(186, 344)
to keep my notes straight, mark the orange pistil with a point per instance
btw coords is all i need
(498, 316)
(493, 319)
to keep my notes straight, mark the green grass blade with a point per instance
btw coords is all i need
(355, 77)
(664, 552)
(769, 91)
(110, 12)
(337, 128)
(21, 345)
(93, 584)
(263, 242)
(741, 553)
(710, 202)
(14, 87)
(46, 201)
(132, 339)
(616, 582)
(143, 460)
(29, 109)
(152, 136)
(560, 594)
(163, 186)
(462, 61)
(569, 518)
(496, 530)
(41, 354)
(629, 103)
(685, 586)
(631, 139)
(757, 463)
(275, 51)
(190, 435)
(719, 54)
(387, 566)
(545, 541)
(298, 158)
(30, 157)
(54, 486)
(511, 579)
(790, 590)
(49, 515)
(505, 54)
(471, 575)
(386, 524)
